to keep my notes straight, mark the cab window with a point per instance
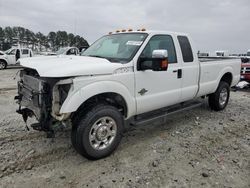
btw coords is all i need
(186, 49)
(72, 51)
(12, 52)
(160, 42)
(25, 51)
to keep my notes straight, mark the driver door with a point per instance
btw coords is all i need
(11, 56)
(158, 89)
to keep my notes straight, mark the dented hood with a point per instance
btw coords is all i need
(67, 66)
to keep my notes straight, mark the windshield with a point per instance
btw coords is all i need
(248, 53)
(117, 48)
(7, 51)
(61, 51)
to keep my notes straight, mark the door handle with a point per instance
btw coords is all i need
(179, 73)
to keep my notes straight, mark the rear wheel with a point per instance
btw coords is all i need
(3, 65)
(98, 132)
(219, 100)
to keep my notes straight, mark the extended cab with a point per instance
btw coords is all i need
(126, 77)
(11, 56)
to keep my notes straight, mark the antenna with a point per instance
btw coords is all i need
(75, 22)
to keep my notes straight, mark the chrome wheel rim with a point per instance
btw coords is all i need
(223, 97)
(102, 133)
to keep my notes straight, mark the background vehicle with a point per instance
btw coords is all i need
(222, 53)
(126, 77)
(68, 51)
(245, 67)
(246, 58)
(248, 53)
(245, 71)
(11, 56)
(83, 48)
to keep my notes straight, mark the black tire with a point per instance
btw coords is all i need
(82, 130)
(75, 121)
(214, 99)
(3, 65)
(73, 137)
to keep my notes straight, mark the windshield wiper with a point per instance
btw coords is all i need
(108, 58)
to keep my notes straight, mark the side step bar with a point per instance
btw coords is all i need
(162, 113)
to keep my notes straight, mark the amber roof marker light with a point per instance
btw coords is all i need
(126, 30)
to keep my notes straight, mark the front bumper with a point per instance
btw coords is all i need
(245, 77)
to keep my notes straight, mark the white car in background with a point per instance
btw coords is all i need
(62, 51)
(11, 56)
(68, 51)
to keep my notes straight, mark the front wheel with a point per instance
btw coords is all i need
(98, 132)
(3, 65)
(219, 100)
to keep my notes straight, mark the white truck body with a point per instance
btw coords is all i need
(199, 78)
(11, 56)
(127, 85)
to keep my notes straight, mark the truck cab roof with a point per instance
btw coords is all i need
(153, 32)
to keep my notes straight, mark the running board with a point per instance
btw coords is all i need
(162, 113)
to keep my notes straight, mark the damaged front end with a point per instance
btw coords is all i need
(42, 97)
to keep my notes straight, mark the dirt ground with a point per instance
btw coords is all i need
(198, 148)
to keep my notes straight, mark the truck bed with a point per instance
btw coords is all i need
(212, 69)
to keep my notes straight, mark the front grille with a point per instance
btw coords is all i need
(245, 70)
(34, 94)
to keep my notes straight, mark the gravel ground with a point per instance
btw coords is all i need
(198, 148)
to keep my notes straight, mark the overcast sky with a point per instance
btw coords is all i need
(213, 24)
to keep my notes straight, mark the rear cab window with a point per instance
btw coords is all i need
(186, 49)
(25, 51)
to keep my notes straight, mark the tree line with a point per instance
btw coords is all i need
(11, 36)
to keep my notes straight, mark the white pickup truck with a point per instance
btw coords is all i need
(11, 56)
(127, 77)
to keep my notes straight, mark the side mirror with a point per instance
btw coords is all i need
(160, 54)
(158, 62)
